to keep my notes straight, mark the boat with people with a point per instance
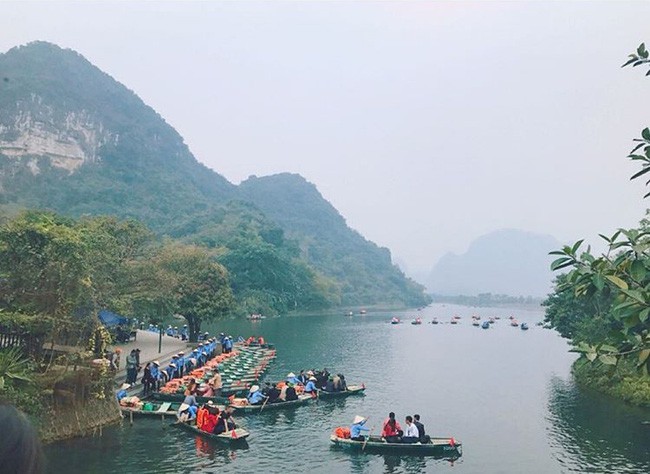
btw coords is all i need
(417, 321)
(524, 326)
(350, 390)
(485, 325)
(476, 323)
(439, 447)
(434, 321)
(236, 436)
(363, 311)
(242, 405)
(256, 317)
(514, 323)
(395, 320)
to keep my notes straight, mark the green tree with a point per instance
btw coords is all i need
(201, 288)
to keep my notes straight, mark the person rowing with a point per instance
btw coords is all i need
(255, 396)
(358, 425)
(291, 378)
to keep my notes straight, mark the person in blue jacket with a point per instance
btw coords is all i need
(358, 425)
(311, 385)
(122, 392)
(255, 396)
(180, 363)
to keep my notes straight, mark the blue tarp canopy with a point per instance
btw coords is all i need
(109, 318)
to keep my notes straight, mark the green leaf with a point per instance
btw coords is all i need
(641, 51)
(557, 252)
(608, 348)
(629, 61)
(591, 356)
(637, 147)
(607, 359)
(617, 281)
(638, 270)
(561, 263)
(577, 245)
(640, 173)
(635, 295)
(646, 134)
(643, 356)
(643, 315)
(598, 281)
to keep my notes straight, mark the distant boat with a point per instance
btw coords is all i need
(456, 317)
(524, 326)
(485, 325)
(349, 313)
(491, 321)
(453, 321)
(417, 321)
(256, 317)
(395, 321)
(363, 311)
(511, 317)
(476, 323)
(514, 323)
(434, 321)
(497, 317)
(540, 323)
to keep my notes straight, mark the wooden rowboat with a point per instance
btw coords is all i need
(352, 390)
(446, 448)
(235, 436)
(302, 399)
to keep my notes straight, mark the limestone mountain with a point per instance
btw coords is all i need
(74, 140)
(505, 262)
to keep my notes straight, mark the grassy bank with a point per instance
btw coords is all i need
(622, 381)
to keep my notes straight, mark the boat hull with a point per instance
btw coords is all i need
(352, 390)
(240, 435)
(439, 447)
(302, 399)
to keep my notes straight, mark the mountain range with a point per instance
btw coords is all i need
(505, 262)
(74, 140)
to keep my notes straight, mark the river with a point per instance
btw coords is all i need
(506, 394)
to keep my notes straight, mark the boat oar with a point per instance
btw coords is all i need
(264, 404)
(366, 440)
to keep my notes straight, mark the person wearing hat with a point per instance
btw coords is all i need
(255, 397)
(291, 378)
(180, 363)
(184, 333)
(156, 374)
(358, 425)
(311, 385)
(122, 392)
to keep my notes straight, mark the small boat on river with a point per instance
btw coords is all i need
(235, 436)
(439, 447)
(395, 321)
(524, 326)
(476, 323)
(351, 390)
(434, 321)
(486, 325)
(242, 406)
(514, 323)
(417, 321)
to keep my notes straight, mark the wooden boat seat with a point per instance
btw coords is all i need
(164, 407)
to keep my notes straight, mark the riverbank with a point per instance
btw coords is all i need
(624, 381)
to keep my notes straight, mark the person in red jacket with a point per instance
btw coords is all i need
(211, 418)
(391, 430)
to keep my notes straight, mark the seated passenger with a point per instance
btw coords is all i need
(391, 431)
(274, 394)
(291, 393)
(210, 419)
(411, 434)
(424, 438)
(311, 385)
(225, 422)
(329, 386)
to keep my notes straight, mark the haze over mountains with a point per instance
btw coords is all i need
(507, 262)
(74, 140)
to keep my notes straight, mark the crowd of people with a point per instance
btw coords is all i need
(308, 382)
(392, 432)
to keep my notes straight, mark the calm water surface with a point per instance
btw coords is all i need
(506, 394)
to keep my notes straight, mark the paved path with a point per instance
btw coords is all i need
(147, 342)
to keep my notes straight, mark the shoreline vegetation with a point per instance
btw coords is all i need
(483, 300)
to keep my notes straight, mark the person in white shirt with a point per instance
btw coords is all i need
(411, 434)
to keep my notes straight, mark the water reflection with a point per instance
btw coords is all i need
(589, 432)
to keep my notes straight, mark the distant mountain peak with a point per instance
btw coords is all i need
(507, 261)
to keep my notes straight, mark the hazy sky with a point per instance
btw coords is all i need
(426, 124)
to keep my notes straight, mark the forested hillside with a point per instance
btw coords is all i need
(74, 140)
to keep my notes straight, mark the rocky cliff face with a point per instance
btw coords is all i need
(67, 141)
